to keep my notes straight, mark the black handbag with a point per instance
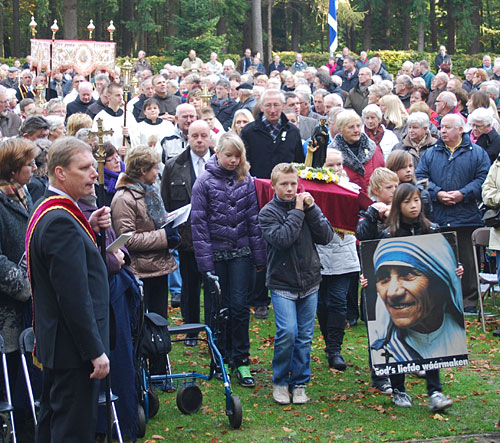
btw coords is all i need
(491, 218)
(155, 340)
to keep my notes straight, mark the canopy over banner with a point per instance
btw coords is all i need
(84, 56)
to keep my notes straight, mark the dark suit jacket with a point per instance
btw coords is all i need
(70, 293)
(176, 186)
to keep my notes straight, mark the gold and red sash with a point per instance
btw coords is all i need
(24, 91)
(50, 204)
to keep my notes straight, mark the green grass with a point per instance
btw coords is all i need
(343, 406)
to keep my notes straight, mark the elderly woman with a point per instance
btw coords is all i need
(479, 77)
(394, 114)
(17, 164)
(384, 138)
(483, 133)
(419, 138)
(56, 127)
(420, 94)
(360, 154)
(137, 207)
(241, 118)
(78, 121)
(479, 99)
(376, 92)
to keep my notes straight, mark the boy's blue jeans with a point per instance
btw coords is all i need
(292, 344)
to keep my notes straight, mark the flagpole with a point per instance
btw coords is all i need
(332, 26)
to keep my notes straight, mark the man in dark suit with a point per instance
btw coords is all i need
(276, 65)
(177, 182)
(70, 297)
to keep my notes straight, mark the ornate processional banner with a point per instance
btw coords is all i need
(84, 56)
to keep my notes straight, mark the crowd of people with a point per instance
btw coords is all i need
(199, 134)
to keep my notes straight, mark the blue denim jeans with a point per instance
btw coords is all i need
(235, 280)
(174, 279)
(332, 309)
(292, 343)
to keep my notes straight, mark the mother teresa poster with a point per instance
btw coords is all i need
(414, 303)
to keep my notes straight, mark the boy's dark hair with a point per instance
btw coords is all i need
(149, 102)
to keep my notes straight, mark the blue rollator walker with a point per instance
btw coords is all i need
(189, 395)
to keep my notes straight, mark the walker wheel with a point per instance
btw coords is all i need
(141, 420)
(154, 403)
(236, 414)
(189, 399)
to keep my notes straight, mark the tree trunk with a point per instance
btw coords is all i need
(451, 27)
(221, 29)
(127, 15)
(476, 24)
(286, 30)
(421, 37)
(257, 26)
(171, 9)
(367, 29)
(433, 24)
(406, 24)
(295, 25)
(2, 51)
(387, 24)
(15, 28)
(269, 32)
(70, 20)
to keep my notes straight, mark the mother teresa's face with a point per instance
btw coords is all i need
(405, 292)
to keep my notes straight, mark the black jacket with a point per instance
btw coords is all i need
(348, 83)
(70, 293)
(292, 260)
(407, 229)
(95, 108)
(224, 111)
(490, 142)
(77, 106)
(264, 153)
(176, 191)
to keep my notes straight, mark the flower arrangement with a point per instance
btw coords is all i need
(326, 175)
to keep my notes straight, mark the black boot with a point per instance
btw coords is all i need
(336, 324)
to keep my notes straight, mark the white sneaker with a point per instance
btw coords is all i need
(299, 395)
(438, 401)
(281, 394)
(401, 399)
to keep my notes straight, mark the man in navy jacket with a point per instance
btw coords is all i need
(456, 169)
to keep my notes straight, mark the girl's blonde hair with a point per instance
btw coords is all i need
(396, 112)
(231, 141)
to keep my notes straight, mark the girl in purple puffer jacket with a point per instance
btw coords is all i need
(228, 242)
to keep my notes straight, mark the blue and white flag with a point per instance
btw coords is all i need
(332, 24)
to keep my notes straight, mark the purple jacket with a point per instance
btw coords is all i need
(224, 216)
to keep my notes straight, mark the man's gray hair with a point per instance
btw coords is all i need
(332, 115)
(375, 60)
(459, 121)
(337, 99)
(419, 118)
(224, 83)
(271, 92)
(3, 89)
(491, 88)
(321, 91)
(449, 98)
(483, 116)
(406, 80)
